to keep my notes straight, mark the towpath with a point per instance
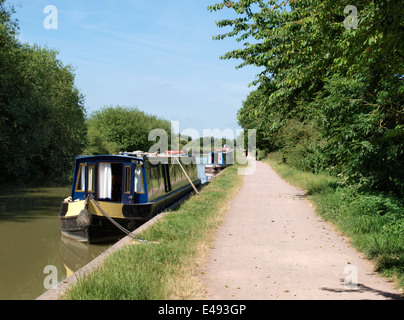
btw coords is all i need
(272, 245)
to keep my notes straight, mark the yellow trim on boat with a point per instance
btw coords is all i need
(74, 208)
(114, 210)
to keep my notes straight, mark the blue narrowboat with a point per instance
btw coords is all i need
(112, 194)
(218, 160)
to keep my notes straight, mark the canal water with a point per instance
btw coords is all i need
(32, 252)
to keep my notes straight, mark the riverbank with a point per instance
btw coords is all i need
(166, 265)
(374, 222)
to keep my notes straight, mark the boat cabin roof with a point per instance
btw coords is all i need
(128, 157)
(117, 158)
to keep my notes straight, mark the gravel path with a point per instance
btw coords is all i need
(272, 245)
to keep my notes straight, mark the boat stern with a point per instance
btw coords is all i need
(84, 221)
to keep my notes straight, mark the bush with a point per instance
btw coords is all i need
(301, 146)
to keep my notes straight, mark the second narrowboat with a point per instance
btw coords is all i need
(218, 160)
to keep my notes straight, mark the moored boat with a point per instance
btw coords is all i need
(112, 194)
(218, 160)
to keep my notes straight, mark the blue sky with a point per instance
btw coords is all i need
(154, 54)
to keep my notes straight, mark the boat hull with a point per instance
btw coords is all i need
(129, 216)
(101, 229)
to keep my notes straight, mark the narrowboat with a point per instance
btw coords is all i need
(112, 194)
(218, 160)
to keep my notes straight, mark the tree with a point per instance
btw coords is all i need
(42, 115)
(120, 128)
(59, 131)
(346, 83)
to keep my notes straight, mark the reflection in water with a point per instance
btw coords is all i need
(30, 240)
(74, 254)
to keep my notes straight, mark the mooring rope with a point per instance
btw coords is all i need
(189, 179)
(123, 229)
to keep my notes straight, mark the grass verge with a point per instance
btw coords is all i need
(373, 221)
(167, 266)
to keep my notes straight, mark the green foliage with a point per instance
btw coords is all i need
(346, 83)
(42, 124)
(115, 129)
(302, 145)
(363, 133)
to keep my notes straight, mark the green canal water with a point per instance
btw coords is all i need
(33, 255)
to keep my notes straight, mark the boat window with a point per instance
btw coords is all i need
(139, 188)
(81, 178)
(105, 180)
(117, 178)
(127, 179)
(154, 178)
(91, 178)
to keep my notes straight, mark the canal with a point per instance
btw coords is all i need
(31, 247)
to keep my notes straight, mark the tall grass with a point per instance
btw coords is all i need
(373, 221)
(167, 266)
